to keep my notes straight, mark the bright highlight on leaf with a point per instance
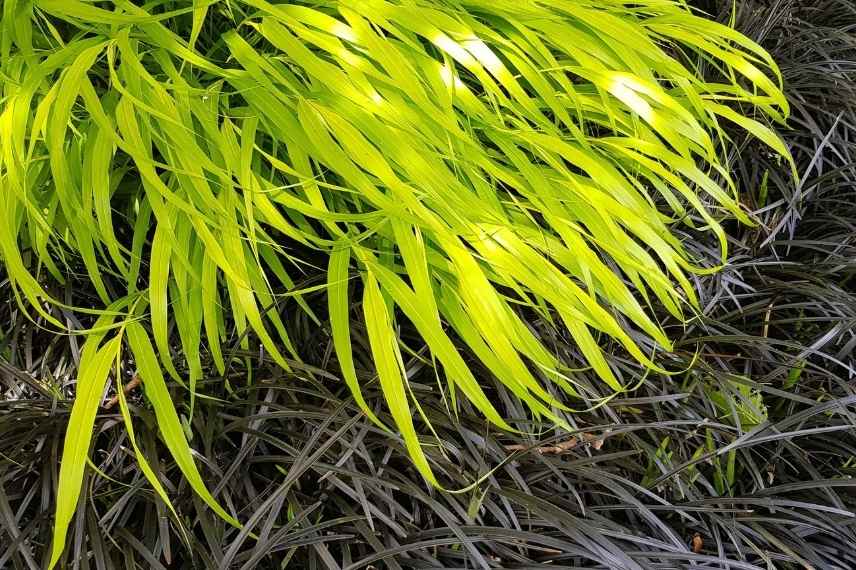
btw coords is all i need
(455, 161)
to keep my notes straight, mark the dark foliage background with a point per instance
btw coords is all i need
(743, 460)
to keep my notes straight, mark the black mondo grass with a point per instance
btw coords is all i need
(644, 479)
(743, 457)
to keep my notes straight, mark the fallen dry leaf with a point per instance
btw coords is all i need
(697, 543)
(135, 381)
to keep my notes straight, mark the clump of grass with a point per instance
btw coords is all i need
(445, 162)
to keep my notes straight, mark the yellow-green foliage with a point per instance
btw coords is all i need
(457, 157)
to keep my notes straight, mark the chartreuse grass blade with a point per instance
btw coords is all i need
(147, 470)
(339, 308)
(96, 361)
(95, 366)
(167, 417)
(428, 324)
(390, 371)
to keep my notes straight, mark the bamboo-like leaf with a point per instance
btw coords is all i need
(338, 302)
(168, 422)
(95, 364)
(390, 371)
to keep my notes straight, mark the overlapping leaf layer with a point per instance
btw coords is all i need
(447, 162)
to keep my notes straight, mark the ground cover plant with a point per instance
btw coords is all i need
(524, 211)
